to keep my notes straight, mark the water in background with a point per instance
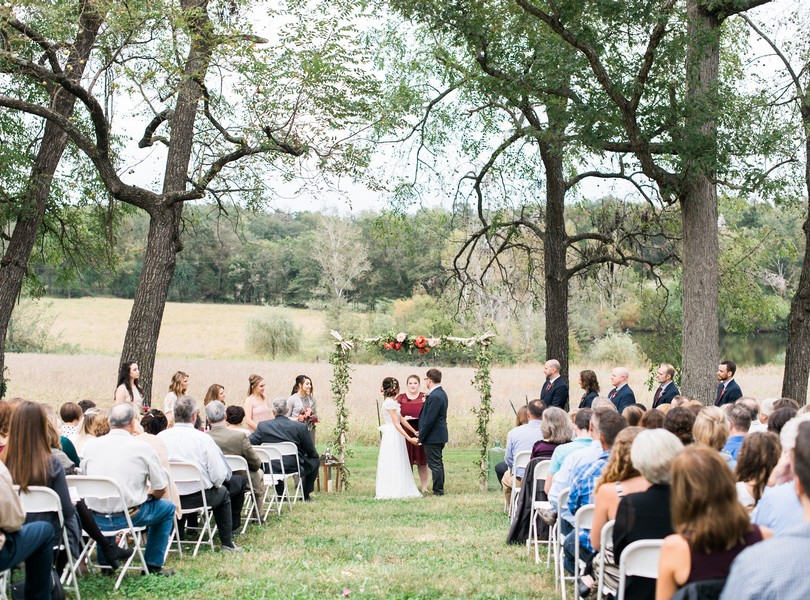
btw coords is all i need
(756, 349)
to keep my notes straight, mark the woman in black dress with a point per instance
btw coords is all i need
(589, 383)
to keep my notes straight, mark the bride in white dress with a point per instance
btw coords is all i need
(394, 473)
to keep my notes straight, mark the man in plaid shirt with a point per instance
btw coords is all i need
(583, 487)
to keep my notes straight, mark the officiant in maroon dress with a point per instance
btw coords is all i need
(411, 402)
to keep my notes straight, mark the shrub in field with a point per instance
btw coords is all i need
(31, 329)
(271, 334)
(615, 349)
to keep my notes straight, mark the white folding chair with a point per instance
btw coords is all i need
(40, 499)
(605, 542)
(4, 584)
(238, 463)
(521, 460)
(559, 539)
(639, 559)
(271, 478)
(540, 474)
(175, 536)
(582, 520)
(104, 488)
(290, 449)
(182, 472)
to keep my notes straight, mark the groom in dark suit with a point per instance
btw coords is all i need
(433, 428)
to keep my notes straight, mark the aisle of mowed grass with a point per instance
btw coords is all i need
(348, 543)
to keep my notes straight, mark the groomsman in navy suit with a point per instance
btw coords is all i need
(667, 389)
(728, 391)
(555, 390)
(621, 395)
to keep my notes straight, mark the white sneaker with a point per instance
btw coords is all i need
(233, 548)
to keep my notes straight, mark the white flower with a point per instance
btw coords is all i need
(433, 342)
(401, 336)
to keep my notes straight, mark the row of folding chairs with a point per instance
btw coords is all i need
(639, 559)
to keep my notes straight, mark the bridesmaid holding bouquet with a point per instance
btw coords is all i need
(411, 402)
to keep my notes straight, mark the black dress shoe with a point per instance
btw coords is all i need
(113, 554)
(584, 590)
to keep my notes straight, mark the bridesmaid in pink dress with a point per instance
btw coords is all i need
(411, 402)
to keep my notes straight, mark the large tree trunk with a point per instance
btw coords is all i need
(554, 255)
(14, 263)
(797, 354)
(699, 209)
(163, 244)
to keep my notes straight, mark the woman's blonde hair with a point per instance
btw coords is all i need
(176, 385)
(619, 466)
(253, 381)
(711, 427)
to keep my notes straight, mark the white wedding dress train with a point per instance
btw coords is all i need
(394, 474)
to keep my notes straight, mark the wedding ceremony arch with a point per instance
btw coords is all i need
(417, 345)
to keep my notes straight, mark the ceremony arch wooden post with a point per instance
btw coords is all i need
(341, 377)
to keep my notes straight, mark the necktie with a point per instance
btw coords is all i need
(721, 392)
(548, 387)
(658, 394)
(612, 393)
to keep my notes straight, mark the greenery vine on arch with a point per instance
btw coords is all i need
(341, 378)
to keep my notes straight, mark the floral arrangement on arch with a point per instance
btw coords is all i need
(401, 341)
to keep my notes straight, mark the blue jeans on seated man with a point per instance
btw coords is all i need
(568, 546)
(158, 518)
(34, 545)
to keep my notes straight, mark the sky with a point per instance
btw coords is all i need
(346, 196)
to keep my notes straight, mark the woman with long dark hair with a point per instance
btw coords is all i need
(301, 404)
(30, 461)
(589, 383)
(756, 461)
(128, 388)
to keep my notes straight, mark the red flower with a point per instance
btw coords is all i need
(387, 345)
(420, 342)
(423, 350)
(397, 346)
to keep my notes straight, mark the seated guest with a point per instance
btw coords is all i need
(779, 417)
(653, 419)
(779, 509)
(187, 444)
(583, 484)
(32, 543)
(30, 461)
(93, 424)
(582, 439)
(235, 417)
(521, 418)
(740, 421)
(556, 429)
(632, 414)
(711, 526)
(135, 466)
(786, 403)
(152, 423)
(282, 429)
(236, 443)
(71, 414)
(646, 515)
(5, 420)
(680, 421)
(777, 568)
(758, 457)
(711, 429)
(765, 411)
(619, 479)
(752, 405)
(86, 405)
(521, 439)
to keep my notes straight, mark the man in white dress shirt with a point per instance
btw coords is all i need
(135, 466)
(186, 444)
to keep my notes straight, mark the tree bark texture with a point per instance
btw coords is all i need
(554, 255)
(699, 210)
(33, 204)
(797, 353)
(163, 243)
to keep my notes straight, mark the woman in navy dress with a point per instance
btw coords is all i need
(589, 383)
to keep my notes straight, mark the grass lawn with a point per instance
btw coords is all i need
(450, 547)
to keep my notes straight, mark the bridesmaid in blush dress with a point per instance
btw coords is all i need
(411, 402)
